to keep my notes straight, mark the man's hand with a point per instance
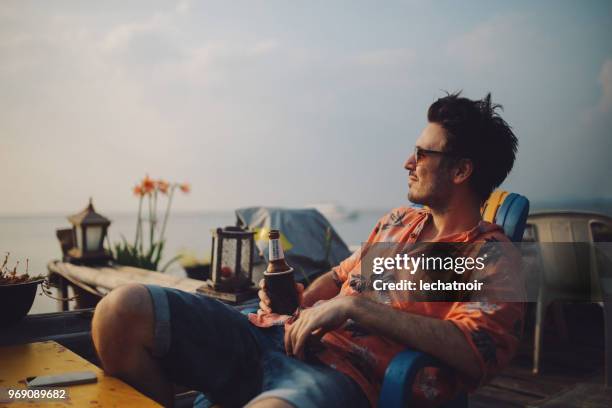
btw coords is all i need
(317, 321)
(264, 300)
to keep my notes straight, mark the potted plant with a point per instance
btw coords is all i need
(196, 268)
(17, 292)
(146, 252)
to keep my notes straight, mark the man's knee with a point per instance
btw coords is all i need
(123, 320)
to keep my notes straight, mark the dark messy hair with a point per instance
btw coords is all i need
(475, 131)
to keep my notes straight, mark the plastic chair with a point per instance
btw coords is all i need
(509, 210)
(568, 271)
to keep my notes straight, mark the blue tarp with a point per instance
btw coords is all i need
(303, 235)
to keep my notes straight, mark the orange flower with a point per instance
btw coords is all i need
(163, 186)
(138, 191)
(148, 185)
(185, 187)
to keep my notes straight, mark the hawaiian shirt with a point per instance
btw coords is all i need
(492, 329)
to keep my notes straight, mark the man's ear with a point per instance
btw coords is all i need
(462, 170)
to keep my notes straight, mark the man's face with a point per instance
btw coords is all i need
(429, 180)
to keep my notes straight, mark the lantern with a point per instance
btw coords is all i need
(88, 233)
(231, 264)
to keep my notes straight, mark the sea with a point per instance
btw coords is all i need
(33, 237)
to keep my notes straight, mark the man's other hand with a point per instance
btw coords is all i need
(317, 321)
(264, 300)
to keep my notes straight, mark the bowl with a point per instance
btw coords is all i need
(198, 271)
(16, 299)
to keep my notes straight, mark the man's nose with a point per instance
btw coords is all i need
(410, 163)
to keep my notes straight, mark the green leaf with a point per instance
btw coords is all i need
(170, 262)
(160, 250)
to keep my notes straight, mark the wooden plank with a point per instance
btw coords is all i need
(568, 371)
(553, 374)
(529, 386)
(502, 397)
(108, 278)
(487, 401)
(48, 358)
(582, 395)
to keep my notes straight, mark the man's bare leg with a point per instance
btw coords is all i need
(122, 331)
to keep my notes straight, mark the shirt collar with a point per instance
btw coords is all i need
(483, 227)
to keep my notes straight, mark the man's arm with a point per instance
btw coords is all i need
(440, 338)
(324, 287)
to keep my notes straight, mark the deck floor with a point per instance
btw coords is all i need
(571, 370)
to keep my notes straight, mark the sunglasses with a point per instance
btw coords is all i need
(421, 153)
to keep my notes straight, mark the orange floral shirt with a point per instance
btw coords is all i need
(491, 329)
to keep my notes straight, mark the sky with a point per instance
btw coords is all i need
(289, 103)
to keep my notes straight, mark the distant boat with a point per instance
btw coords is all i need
(335, 212)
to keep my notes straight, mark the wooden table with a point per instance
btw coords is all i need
(108, 278)
(49, 357)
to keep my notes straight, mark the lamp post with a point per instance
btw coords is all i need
(84, 242)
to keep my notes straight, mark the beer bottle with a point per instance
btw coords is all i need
(276, 255)
(280, 283)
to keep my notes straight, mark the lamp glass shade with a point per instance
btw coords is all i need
(246, 257)
(228, 259)
(94, 235)
(78, 232)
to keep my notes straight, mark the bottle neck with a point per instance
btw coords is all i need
(275, 250)
(277, 257)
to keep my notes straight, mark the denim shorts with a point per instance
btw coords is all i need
(208, 346)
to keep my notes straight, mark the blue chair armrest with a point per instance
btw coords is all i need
(396, 390)
(397, 386)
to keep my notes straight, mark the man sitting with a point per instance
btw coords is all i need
(154, 337)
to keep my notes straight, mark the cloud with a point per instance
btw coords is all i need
(605, 79)
(384, 67)
(201, 94)
(184, 6)
(495, 42)
(264, 47)
(397, 58)
(594, 141)
(598, 116)
(151, 42)
(161, 49)
(119, 37)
